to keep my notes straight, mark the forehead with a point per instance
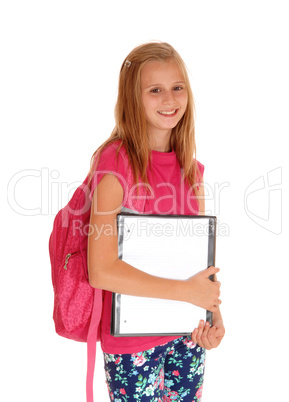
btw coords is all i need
(158, 72)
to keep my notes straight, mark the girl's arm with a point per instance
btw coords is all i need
(108, 272)
(205, 336)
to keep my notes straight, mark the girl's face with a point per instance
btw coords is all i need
(165, 98)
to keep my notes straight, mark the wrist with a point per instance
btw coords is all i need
(217, 316)
(184, 291)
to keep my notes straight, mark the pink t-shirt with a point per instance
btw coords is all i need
(167, 194)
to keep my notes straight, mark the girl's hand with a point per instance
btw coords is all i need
(209, 337)
(203, 292)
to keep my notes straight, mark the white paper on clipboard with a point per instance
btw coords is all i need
(168, 246)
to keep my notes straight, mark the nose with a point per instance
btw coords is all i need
(168, 98)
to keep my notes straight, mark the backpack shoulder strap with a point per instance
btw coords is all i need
(91, 342)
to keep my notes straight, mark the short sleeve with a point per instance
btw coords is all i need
(201, 171)
(113, 162)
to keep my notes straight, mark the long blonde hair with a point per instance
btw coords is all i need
(130, 127)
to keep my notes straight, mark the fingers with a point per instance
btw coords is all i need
(215, 307)
(215, 294)
(211, 271)
(204, 336)
(194, 335)
(217, 285)
(205, 292)
(197, 333)
(212, 340)
(200, 335)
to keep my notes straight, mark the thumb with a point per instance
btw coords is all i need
(211, 271)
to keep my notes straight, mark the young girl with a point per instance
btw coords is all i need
(148, 166)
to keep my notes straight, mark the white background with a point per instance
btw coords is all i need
(59, 70)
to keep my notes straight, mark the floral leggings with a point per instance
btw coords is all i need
(167, 373)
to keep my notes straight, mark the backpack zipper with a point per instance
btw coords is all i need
(67, 259)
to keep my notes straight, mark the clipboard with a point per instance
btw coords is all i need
(168, 246)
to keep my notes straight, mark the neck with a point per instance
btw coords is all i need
(160, 143)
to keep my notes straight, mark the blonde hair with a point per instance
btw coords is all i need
(130, 127)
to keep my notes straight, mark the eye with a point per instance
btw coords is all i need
(155, 90)
(178, 88)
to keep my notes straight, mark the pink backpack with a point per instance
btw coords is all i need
(77, 306)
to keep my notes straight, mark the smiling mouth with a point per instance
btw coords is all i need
(168, 113)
